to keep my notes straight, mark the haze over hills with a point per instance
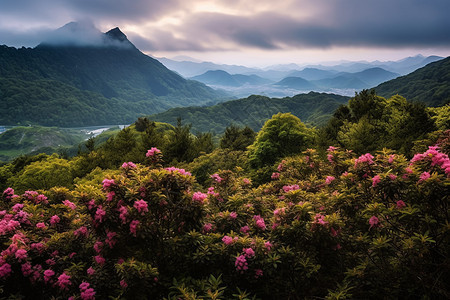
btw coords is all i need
(430, 84)
(80, 76)
(344, 78)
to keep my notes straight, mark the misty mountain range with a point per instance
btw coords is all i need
(287, 80)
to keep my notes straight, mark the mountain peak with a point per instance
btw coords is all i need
(85, 34)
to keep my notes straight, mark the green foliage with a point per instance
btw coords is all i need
(371, 123)
(280, 136)
(313, 108)
(428, 85)
(237, 139)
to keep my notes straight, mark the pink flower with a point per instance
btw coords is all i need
(17, 207)
(39, 247)
(110, 196)
(246, 181)
(233, 215)
(87, 293)
(48, 274)
(216, 178)
(375, 180)
(133, 227)
(123, 284)
(69, 204)
(82, 231)
(5, 270)
(21, 254)
(400, 204)
(41, 225)
(392, 177)
(128, 165)
(181, 171)
(245, 229)
(207, 227)
(98, 246)
(90, 271)
(424, 176)
(329, 179)
(248, 252)
(319, 219)
(54, 220)
(391, 158)
(8, 193)
(99, 260)
(152, 152)
(228, 240)
(141, 206)
(123, 214)
(100, 214)
(241, 264)
(110, 239)
(260, 222)
(258, 273)
(41, 199)
(64, 281)
(364, 159)
(199, 197)
(107, 183)
(330, 158)
(275, 175)
(374, 222)
(288, 188)
(26, 269)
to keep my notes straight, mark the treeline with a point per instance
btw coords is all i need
(367, 124)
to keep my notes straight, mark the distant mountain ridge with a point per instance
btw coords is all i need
(80, 77)
(429, 84)
(313, 108)
(223, 78)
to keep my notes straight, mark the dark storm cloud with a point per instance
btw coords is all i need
(262, 24)
(382, 23)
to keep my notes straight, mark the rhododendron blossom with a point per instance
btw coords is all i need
(228, 240)
(233, 215)
(241, 264)
(288, 188)
(64, 281)
(48, 274)
(199, 197)
(248, 252)
(107, 183)
(181, 171)
(275, 175)
(364, 159)
(216, 178)
(152, 152)
(100, 214)
(70, 204)
(129, 165)
(141, 206)
(54, 220)
(400, 204)
(374, 221)
(376, 180)
(133, 227)
(21, 254)
(329, 179)
(424, 176)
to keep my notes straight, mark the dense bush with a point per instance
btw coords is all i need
(345, 227)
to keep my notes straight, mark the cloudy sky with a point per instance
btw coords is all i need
(250, 32)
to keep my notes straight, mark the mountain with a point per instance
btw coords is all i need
(194, 68)
(222, 78)
(430, 84)
(357, 80)
(297, 83)
(80, 76)
(313, 74)
(312, 108)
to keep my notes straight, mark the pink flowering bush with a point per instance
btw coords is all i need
(370, 226)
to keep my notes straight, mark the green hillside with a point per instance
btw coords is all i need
(312, 108)
(111, 83)
(430, 84)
